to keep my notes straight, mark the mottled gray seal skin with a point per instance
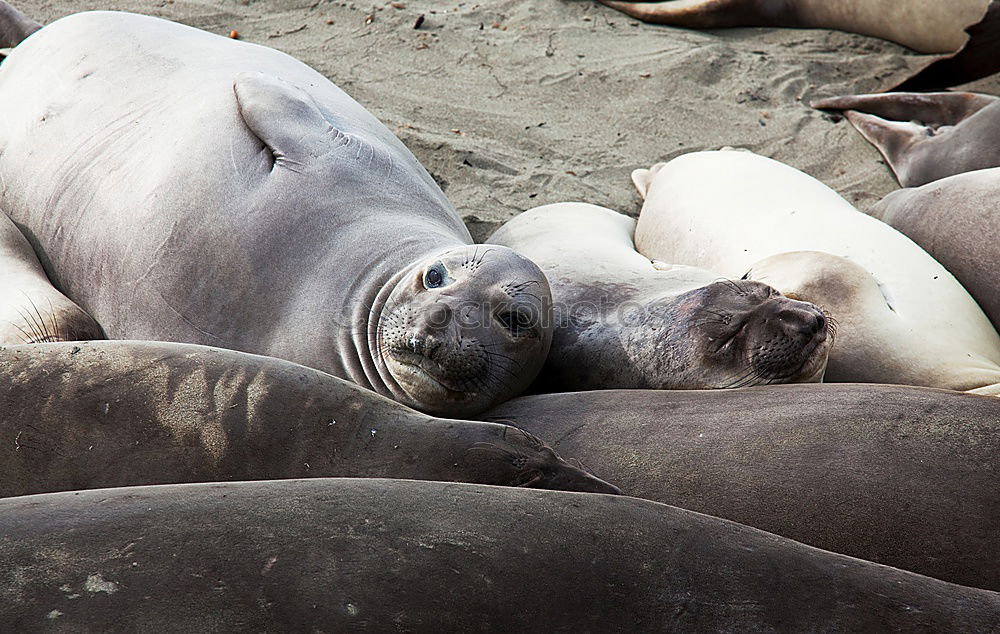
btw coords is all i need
(31, 310)
(926, 136)
(622, 321)
(956, 220)
(119, 413)
(183, 186)
(899, 475)
(355, 555)
(927, 26)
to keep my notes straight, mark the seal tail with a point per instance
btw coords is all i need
(14, 26)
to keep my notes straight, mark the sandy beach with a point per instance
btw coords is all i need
(517, 103)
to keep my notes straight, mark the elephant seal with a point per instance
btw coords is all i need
(957, 220)
(903, 476)
(980, 57)
(902, 318)
(31, 310)
(272, 214)
(621, 322)
(926, 26)
(346, 555)
(121, 413)
(926, 136)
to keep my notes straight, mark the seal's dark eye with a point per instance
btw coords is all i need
(433, 278)
(517, 322)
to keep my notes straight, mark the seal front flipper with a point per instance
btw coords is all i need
(284, 117)
(14, 26)
(292, 128)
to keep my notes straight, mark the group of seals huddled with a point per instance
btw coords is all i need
(275, 216)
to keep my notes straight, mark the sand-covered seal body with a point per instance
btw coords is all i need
(622, 321)
(957, 220)
(382, 555)
(903, 476)
(31, 310)
(122, 413)
(271, 214)
(902, 318)
(926, 136)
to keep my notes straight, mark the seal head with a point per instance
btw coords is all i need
(746, 333)
(463, 330)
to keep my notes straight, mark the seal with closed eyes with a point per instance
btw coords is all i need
(902, 318)
(183, 186)
(622, 321)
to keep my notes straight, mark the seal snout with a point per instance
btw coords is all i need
(800, 319)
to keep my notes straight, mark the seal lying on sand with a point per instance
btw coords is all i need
(927, 26)
(903, 476)
(345, 555)
(176, 196)
(621, 322)
(926, 136)
(957, 219)
(120, 413)
(31, 310)
(902, 318)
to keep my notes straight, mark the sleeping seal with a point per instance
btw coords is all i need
(31, 310)
(183, 186)
(122, 413)
(622, 321)
(356, 555)
(902, 318)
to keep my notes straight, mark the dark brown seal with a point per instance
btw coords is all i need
(900, 475)
(347, 555)
(118, 413)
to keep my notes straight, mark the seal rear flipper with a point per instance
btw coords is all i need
(14, 26)
(980, 57)
(896, 140)
(933, 109)
(703, 14)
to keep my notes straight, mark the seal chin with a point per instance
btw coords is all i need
(415, 375)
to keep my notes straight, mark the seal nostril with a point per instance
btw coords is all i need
(820, 323)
